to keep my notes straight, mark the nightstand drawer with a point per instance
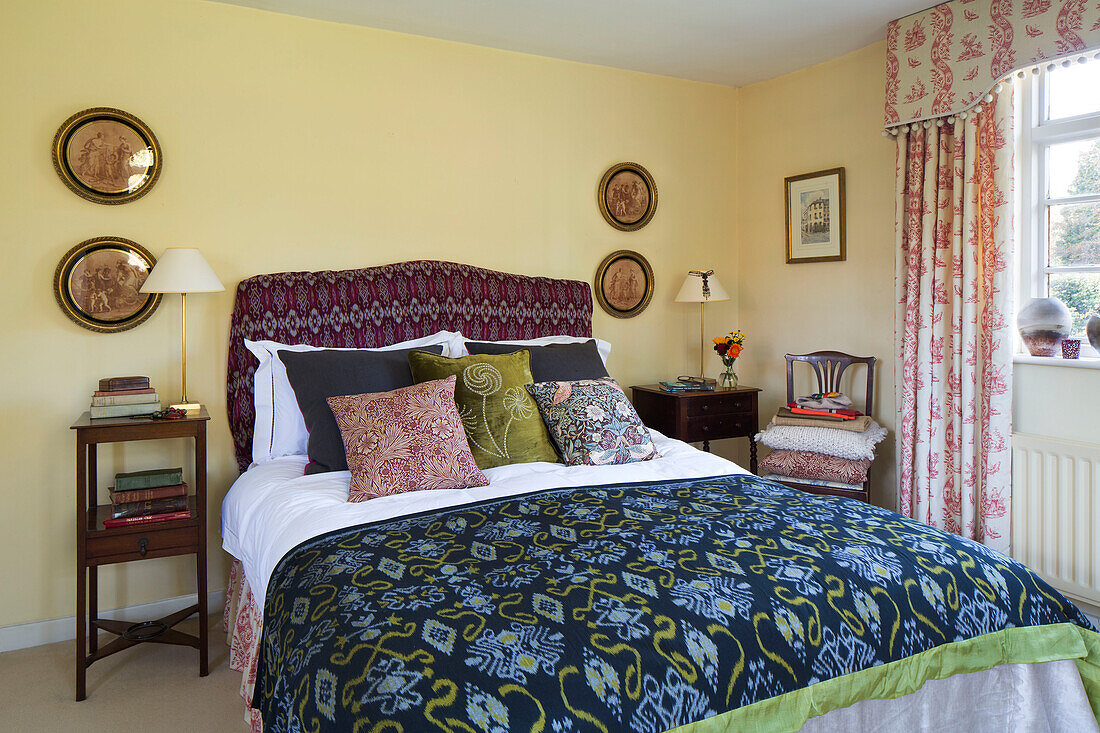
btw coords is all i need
(719, 404)
(154, 542)
(716, 427)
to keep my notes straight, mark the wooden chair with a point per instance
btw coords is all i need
(829, 368)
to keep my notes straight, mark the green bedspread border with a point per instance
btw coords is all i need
(1027, 644)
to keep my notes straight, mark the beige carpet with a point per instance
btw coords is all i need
(149, 687)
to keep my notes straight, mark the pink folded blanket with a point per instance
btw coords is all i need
(806, 465)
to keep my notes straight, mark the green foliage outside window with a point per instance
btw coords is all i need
(1075, 240)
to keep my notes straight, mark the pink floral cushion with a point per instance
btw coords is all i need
(806, 465)
(410, 439)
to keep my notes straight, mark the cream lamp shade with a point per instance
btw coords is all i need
(182, 270)
(693, 290)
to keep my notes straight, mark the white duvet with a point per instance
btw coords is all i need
(273, 507)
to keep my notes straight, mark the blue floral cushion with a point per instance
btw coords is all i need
(592, 422)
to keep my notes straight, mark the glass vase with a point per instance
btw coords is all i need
(728, 378)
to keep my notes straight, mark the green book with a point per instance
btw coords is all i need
(124, 399)
(146, 408)
(150, 479)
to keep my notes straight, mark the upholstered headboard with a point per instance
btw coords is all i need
(378, 306)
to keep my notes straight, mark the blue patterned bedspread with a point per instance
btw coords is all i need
(636, 607)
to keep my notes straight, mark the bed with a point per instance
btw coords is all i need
(680, 593)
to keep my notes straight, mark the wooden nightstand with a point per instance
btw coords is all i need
(701, 416)
(98, 545)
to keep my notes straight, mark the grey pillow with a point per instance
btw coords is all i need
(317, 375)
(553, 362)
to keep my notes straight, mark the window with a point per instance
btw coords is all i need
(1059, 253)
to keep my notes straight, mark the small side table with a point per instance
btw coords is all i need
(99, 545)
(701, 416)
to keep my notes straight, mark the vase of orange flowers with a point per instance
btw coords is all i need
(728, 349)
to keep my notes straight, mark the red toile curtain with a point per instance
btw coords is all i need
(954, 234)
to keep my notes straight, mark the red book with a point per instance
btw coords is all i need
(150, 508)
(150, 519)
(161, 492)
(822, 413)
(113, 392)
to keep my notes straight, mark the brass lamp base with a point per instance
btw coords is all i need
(187, 406)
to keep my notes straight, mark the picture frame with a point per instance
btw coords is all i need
(107, 156)
(627, 196)
(816, 217)
(623, 284)
(97, 284)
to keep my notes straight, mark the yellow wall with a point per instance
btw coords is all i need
(825, 116)
(297, 144)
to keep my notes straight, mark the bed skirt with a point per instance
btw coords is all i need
(242, 622)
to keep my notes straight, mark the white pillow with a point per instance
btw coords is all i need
(603, 347)
(280, 429)
(830, 441)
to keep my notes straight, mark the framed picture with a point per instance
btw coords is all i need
(97, 284)
(628, 196)
(106, 155)
(624, 284)
(815, 216)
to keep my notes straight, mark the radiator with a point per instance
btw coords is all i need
(1056, 513)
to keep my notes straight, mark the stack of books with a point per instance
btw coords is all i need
(145, 497)
(123, 397)
(695, 384)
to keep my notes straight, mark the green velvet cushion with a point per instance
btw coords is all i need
(502, 422)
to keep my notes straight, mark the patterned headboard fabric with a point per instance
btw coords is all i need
(378, 306)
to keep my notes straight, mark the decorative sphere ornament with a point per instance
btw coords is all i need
(1092, 330)
(1043, 323)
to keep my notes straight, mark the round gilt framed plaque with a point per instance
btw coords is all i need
(106, 155)
(627, 196)
(98, 283)
(624, 284)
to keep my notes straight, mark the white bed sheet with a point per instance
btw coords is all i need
(273, 507)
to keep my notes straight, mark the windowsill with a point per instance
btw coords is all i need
(1056, 361)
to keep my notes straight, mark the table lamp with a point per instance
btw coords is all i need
(182, 270)
(701, 286)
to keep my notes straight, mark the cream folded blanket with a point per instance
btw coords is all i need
(831, 441)
(857, 425)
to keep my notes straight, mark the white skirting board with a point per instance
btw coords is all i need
(1056, 513)
(35, 633)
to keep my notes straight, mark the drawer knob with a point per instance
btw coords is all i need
(143, 545)
(705, 407)
(706, 428)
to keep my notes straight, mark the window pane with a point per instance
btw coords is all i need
(1074, 235)
(1073, 91)
(1074, 168)
(1081, 292)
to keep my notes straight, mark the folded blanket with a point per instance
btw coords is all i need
(825, 401)
(832, 441)
(786, 417)
(813, 482)
(801, 464)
